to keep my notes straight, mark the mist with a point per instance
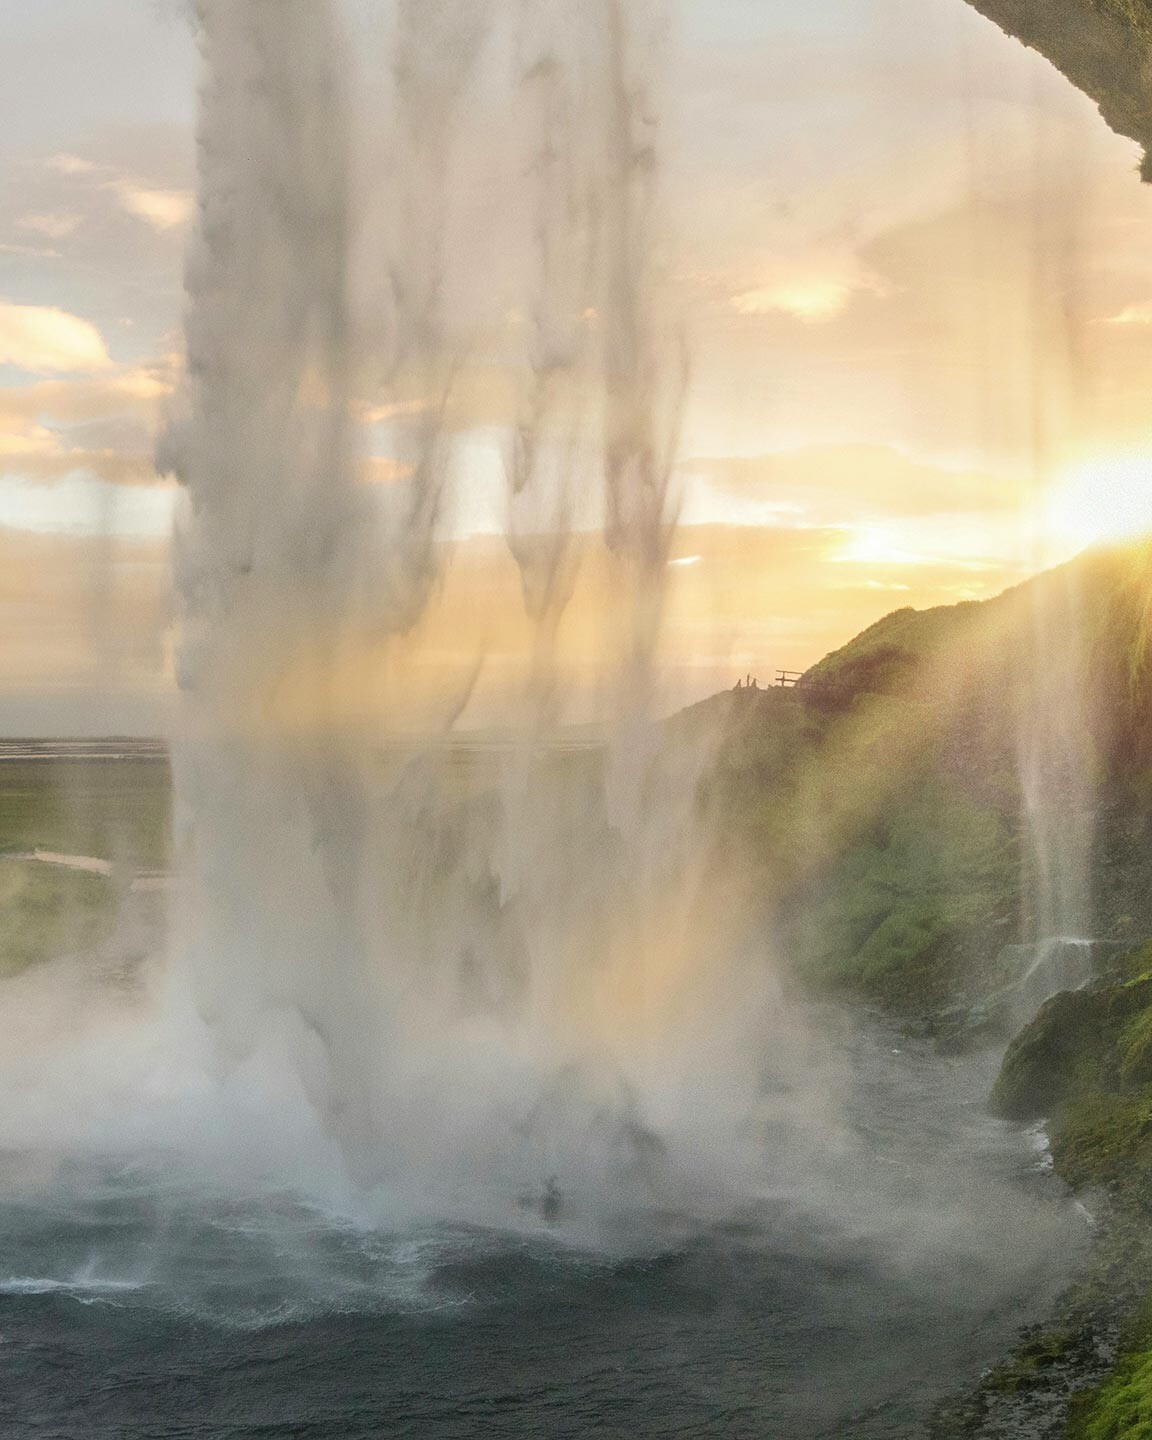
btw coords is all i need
(441, 993)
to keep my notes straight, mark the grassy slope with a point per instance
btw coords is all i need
(1134, 13)
(46, 911)
(882, 806)
(114, 810)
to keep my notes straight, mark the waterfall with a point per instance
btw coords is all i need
(1056, 760)
(529, 992)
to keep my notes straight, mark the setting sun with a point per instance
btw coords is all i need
(1107, 498)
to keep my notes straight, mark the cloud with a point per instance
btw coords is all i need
(1132, 315)
(37, 252)
(71, 165)
(161, 209)
(811, 301)
(845, 484)
(55, 224)
(45, 340)
(60, 456)
(897, 545)
(129, 391)
(101, 425)
(810, 287)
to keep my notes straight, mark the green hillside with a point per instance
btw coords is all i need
(879, 807)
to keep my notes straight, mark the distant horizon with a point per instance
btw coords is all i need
(166, 703)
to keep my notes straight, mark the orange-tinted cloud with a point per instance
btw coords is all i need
(101, 424)
(44, 340)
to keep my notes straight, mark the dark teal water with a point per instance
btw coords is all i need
(133, 1304)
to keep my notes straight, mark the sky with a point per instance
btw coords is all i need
(911, 262)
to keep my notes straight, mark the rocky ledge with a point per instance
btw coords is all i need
(1083, 1067)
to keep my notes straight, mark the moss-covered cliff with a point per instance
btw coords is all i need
(1084, 1067)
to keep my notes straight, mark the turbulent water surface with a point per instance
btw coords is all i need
(137, 1303)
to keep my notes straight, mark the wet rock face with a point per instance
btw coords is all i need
(1046, 1060)
(1085, 1062)
(1104, 47)
(1047, 969)
(1031, 975)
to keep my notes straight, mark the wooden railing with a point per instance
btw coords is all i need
(799, 680)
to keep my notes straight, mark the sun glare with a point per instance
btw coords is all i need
(1108, 498)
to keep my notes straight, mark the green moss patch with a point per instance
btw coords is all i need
(1083, 1046)
(1106, 1139)
(1121, 1409)
(1137, 14)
